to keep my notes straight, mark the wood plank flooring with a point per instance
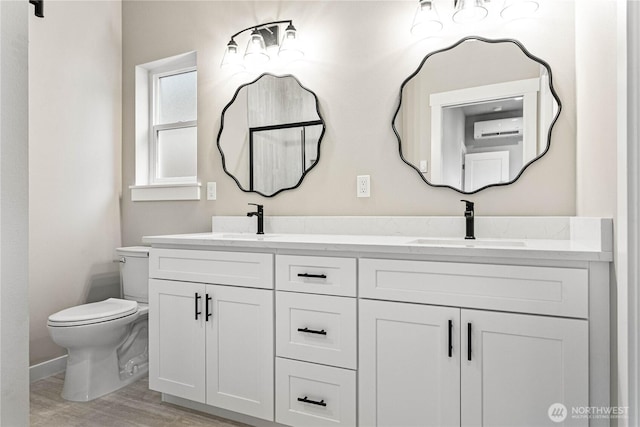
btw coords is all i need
(132, 406)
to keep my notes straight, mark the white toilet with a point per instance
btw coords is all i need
(107, 341)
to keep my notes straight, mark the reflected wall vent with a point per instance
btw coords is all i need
(497, 128)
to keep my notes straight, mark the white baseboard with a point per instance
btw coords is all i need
(48, 368)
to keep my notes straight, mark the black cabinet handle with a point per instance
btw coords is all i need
(469, 341)
(314, 276)
(311, 331)
(206, 309)
(313, 402)
(450, 334)
(196, 307)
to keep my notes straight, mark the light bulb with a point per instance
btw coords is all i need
(426, 20)
(256, 52)
(231, 56)
(290, 46)
(469, 11)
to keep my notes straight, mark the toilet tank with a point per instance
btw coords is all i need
(134, 272)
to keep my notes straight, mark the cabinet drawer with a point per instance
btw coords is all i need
(540, 290)
(314, 395)
(253, 270)
(316, 275)
(316, 328)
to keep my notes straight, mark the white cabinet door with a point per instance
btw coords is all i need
(521, 365)
(240, 354)
(407, 377)
(177, 339)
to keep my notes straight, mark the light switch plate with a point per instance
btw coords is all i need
(211, 191)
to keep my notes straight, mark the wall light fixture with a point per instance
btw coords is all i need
(427, 19)
(263, 38)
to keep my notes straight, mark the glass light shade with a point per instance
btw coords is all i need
(290, 46)
(515, 9)
(426, 20)
(256, 52)
(469, 11)
(231, 56)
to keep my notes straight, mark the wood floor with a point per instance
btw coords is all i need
(134, 406)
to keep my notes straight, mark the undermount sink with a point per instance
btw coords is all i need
(469, 243)
(247, 236)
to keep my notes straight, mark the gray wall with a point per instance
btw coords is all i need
(356, 67)
(14, 307)
(74, 153)
(596, 127)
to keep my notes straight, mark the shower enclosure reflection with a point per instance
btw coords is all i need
(270, 134)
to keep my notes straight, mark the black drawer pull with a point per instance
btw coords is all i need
(311, 331)
(314, 276)
(196, 308)
(313, 402)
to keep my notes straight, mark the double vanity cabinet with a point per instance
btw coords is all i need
(310, 331)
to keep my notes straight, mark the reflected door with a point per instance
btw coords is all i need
(482, 169)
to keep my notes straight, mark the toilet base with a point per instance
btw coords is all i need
(99, 369)
(92, 373)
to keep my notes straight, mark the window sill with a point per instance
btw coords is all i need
(165, 192)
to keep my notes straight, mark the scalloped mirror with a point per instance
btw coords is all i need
(270, 134)
(476, 114)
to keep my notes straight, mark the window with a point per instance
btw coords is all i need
(166, 130)
(174, 128)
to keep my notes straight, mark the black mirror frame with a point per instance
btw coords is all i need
(304, 172)
(482, 39)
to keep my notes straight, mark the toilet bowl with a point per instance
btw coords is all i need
(106, 341)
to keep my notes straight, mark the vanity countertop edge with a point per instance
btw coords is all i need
(569, 250)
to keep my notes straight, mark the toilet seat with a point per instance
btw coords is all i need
(95, 312)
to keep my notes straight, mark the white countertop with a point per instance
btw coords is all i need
(557, 249)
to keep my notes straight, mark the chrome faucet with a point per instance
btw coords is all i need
(260, 214)
(469, 216)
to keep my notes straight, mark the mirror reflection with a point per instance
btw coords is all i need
(270, 134)
(476, 114)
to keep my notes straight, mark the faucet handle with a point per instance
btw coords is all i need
(260, 208)
(469, 204)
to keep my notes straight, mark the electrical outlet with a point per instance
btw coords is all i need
(363, 188)
(211, 191)
(424, 166)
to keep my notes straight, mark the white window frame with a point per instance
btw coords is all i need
(146, 188)
(154, 80)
